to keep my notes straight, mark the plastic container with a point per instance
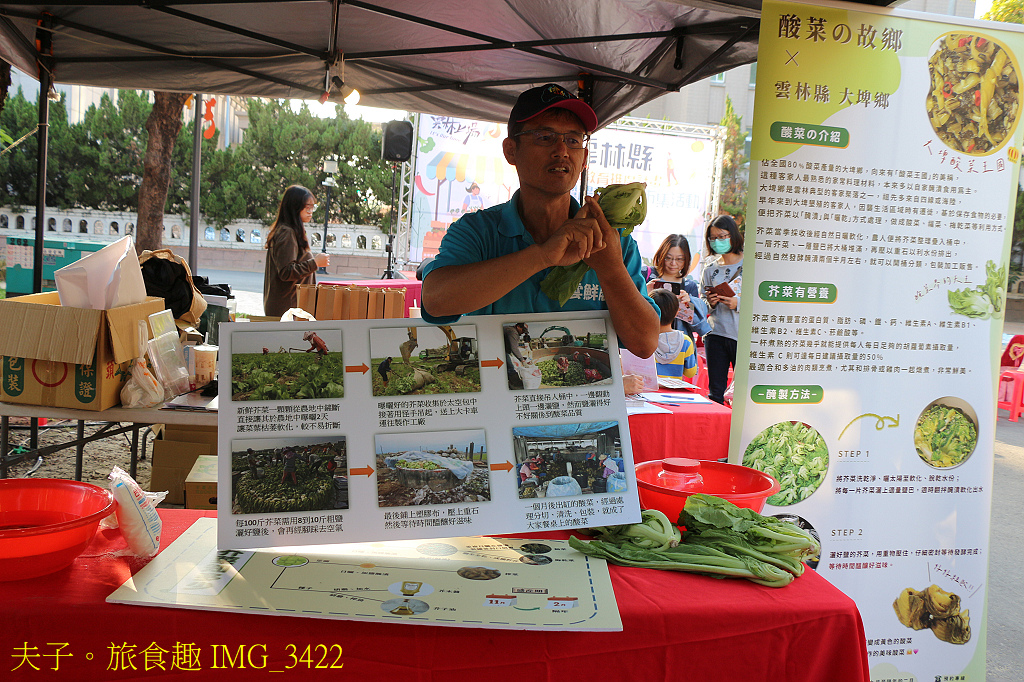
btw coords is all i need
(617, 483)
(680, 473)
(563, 486)
(743, 486)
(205, 363)
(46, 522)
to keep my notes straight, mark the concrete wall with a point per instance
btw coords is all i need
(354, 249)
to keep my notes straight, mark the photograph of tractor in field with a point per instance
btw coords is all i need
(571, 353)
(303, 364)
(423, 360)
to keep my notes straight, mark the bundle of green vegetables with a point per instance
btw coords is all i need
(625, 207)
(721, 540)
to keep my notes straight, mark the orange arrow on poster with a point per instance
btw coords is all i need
(506, 465)
(362, 471)
(492, 363)
(362, 368)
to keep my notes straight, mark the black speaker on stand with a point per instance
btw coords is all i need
(397, 148)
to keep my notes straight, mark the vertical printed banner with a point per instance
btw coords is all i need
(679, 169)
(460, 168)
(884, 173)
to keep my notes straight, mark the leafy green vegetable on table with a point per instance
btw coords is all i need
(792, 453)
(721, 541)
(984, 300)
(625, 207)
(944, 436)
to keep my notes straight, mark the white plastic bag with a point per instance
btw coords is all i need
(530, 375)
(142, 388)
(136, 515)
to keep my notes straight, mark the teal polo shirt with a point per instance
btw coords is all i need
(499, 231)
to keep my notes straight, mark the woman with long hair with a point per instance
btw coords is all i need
(723, 266)
(289, 260)
(669, 270)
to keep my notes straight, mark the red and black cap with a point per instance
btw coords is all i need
(536, 101)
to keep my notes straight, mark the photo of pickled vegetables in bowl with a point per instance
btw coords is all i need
(946, 432)
(973, 101)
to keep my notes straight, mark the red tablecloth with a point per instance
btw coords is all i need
(412, 287)
(675, 627)
(698, 431)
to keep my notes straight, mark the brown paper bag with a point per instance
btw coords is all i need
(357, 302)
(325, 296)
(394, 303)
(375, 304)
(307, 298)
(340, 299)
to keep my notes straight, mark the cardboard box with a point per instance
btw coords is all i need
(68, 357)
(191, 433)
(201, 484)
(172, 461)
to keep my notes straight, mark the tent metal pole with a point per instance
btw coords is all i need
(197, 163)
(45, 83)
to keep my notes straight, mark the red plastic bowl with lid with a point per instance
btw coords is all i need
(46, 522)
(743, 486)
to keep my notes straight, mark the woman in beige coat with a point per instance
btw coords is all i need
(289, 260)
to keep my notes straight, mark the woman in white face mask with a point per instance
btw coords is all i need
(723, 239)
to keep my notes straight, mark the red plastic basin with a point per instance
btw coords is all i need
(46, 522)
(743, 486)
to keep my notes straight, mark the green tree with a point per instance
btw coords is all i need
(282, 147)
(18, 166)
(1009, 11)
(733, 191)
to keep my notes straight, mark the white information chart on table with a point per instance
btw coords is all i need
(480, 582)
(883, 180)
(361, 430)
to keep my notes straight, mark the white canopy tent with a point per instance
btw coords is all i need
(468, 59)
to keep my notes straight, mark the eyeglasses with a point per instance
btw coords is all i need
(312, 206)
(675, 259)
(542, 137)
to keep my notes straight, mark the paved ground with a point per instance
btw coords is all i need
(1006, 560)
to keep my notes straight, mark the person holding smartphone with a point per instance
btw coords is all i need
(669, 270)
(723, 239)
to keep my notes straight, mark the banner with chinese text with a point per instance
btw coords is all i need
(679, 167)
(883, 178)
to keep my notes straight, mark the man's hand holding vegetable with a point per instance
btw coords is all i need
(497, 252)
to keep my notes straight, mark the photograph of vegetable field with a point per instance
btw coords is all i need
(302, 474)
(424, 360)
(287, 365)
(432, 467)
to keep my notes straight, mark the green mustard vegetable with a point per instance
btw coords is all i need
(625, 207)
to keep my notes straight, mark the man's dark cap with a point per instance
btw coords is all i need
(536, 101)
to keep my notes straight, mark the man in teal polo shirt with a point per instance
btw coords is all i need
(492, 261)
